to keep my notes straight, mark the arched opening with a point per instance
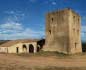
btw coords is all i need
(49, 31)
(31, 48)
(75, 45)
(83, 47)
(41, 43)
(24, 48)
(17, 49)
(38, 49)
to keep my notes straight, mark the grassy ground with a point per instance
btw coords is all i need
(55, 54)
(43, 61)
(45, 68)
(41, 53)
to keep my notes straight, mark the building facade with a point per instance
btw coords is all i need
(63, 32)
(19, 46)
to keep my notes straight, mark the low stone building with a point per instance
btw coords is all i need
(19, 46)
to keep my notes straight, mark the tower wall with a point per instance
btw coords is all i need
(74, 33)
(59, 32)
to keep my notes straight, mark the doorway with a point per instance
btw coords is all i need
(38, 49)
(17, 49)
(31, 48)
(24, 48)
(75, 45)
(83, 47)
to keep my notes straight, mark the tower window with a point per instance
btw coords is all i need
(78, 20)
(75, 45)
(52, 19)
(49, 31)
(73, 29)
(77, 31)
(74, 17)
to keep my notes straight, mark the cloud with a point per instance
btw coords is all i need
(15, 15)
(9, 12)
(15, 30)
(26, 34)
(12, 12)
(54, 3)
(11, 26)
(83, 33)
(50, 2)
(84, 28)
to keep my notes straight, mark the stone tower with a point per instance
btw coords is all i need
(63, 32)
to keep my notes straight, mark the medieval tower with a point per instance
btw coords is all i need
(63, 32)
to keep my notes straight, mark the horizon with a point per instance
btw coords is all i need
(26, 19)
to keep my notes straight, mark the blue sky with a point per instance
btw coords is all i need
(22, 19)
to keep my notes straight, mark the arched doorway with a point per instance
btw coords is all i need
(38, 48)
(31, 48)
(83, 47)
(24, 48)
(17, 49)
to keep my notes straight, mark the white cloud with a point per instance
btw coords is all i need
(26, 34)
(12, 21)
(54, 3)
(11, 26)
(9, 12)
(83, 33)
(50, 2)
(84, 17)
(12, 12)
(84, 28)
(18, 31)
(15, 15)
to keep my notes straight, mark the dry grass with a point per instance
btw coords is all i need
(43, 61)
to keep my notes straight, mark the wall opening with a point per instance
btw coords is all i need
(83, 47)
(17, 49)
(75, 45)
(24, 48)
(40, 44)
(78, 20)
(52, 19)
(73, 30)
(74, 17)
(7, 50)
(49, 31)
(31, 48)
(38, 49)
(77, 32)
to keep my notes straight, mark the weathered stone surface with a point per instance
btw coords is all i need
(63, 32)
